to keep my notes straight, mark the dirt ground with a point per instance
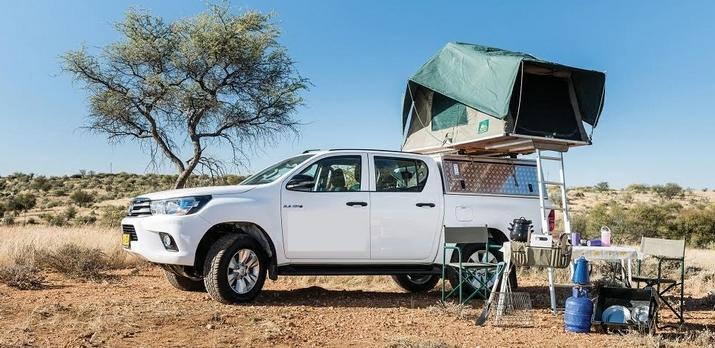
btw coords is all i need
(139, 308)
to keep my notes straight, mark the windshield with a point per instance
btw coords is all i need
(275, 171)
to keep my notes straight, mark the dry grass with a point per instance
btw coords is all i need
(696, 338)
(19, 241)
(23, 277)
(407, 342)
(452, 309)
(77, 262)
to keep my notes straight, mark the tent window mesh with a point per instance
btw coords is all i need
(447, 112)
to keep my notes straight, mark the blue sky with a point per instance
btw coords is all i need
(658, 124)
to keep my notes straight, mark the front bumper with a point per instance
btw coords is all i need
(187, 232)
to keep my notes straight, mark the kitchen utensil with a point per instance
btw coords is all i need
(616, 314)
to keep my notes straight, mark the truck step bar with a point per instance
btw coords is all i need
(322, 269)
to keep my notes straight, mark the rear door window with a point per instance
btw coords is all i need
(399, 174)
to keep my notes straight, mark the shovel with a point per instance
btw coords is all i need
(485, 312)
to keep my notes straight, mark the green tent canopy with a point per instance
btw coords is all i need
(466, 93)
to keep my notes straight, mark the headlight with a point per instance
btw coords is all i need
(179, 206)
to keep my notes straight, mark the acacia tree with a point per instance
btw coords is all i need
(179, 88)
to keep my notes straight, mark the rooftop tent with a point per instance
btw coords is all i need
(487, 100)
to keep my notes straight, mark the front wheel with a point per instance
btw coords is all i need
(235, 269)
(416, 282)
(184, 283)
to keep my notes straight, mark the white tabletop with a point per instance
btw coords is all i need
(613, 252)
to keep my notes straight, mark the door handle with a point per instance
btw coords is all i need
(431, 205)
(352, 204)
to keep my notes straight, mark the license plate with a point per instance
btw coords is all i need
(125, 240)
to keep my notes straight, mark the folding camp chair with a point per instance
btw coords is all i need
(477, 273)
(664, 250)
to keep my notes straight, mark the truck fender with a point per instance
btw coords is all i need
(241, 227)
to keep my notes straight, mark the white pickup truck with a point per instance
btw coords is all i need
(336, 212)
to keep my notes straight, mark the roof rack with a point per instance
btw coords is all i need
(357, 149)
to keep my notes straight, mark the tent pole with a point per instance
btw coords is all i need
(521, 88)
(414, 105)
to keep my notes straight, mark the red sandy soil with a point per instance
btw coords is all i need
(139, 308)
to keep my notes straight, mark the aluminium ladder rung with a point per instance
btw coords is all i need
(553, 158)
(553, 183)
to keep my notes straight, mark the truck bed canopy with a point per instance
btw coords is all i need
(482, 99)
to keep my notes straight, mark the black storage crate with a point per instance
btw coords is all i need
(627, 297)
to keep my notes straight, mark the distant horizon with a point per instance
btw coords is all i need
(656, 126)
(247, 175)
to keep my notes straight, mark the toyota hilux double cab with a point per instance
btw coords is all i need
(333, 212)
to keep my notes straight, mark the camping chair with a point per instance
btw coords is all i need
(478, 273)
(664, 250)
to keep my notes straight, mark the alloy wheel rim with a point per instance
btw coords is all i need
(482, 275)
(243, 270)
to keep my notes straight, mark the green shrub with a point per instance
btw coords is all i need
(41, 183)
(697, 226)
(51, 203)
(669, 191)
(59, 192)
(602, 186)
(21, 202)
(85, 220)
(54, 219)
(112, 215)
(82, 198)
(638, 188)
(661, 220)
(70, 212)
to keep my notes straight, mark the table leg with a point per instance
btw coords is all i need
(630, 274)
(552, 289)
(623, 272)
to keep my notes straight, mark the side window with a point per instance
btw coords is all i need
(332, 174)
(399, 174)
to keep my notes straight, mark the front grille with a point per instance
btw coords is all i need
(129, 229)
(139, 207)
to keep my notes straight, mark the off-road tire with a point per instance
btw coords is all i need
(216, 268)
(405, 282)
(467, 251)
(184, 283)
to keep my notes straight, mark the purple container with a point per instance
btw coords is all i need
(594, 242)
(575, 238)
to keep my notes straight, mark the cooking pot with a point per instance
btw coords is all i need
(519, 229)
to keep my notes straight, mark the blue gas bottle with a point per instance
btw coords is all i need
(579, 309)
(580, 273)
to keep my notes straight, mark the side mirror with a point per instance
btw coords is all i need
(301, 182)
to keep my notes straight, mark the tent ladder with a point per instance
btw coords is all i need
(544, 192)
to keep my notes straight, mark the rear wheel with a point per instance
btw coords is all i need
(235, 269)
(416, 282)
(184, 283)
(476, 253)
